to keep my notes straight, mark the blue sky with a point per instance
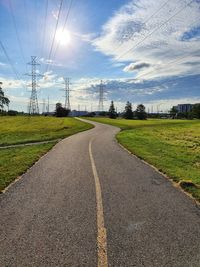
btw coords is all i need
(145, 51)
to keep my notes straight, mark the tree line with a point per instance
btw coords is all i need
(128, 113)
(4, 101)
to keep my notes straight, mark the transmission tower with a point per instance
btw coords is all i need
(101, 96)
(33, 104)
(67, 102)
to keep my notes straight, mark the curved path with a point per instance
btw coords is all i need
(88, 202)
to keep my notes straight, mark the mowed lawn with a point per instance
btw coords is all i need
(28, 129)
(173, 146)
(20, 130)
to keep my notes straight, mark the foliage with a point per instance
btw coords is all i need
(103, 113)
(3, 100)
(140, 112)
(173, 112)
(112, 113)
(196, 111)
(60, 111)
(12, 112)
(128, 113)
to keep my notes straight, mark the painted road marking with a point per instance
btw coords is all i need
(101, 235)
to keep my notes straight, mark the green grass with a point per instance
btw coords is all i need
(15, 161)
(25, 129)
(173, 146)
(20, 130)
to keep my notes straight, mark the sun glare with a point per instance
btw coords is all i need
(63, 37)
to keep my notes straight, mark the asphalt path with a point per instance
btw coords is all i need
(88, 202)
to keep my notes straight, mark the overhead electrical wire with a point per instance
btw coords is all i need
(45, 24)
(16, 30)
(152, 15)
(160, 68)
(18, 76)
(65, 23)
(157, 28)
(54, 36)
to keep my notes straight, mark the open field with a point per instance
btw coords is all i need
(173, 146)
(25, 129)
(20, 130)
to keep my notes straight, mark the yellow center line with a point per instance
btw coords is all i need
(101, 230)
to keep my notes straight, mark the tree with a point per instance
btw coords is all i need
(112, 113)
(3, 100)
(196, 111)
(128, 113)
(140, 112)
(12, 112)
(60, 111)
(173, 112)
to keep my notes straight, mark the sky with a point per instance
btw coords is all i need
(144, 51)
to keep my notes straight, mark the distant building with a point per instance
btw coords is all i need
(184, 108)
(77, 113)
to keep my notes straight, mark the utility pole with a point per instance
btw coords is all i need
(67, 102)
(33, 104)
(101, 96)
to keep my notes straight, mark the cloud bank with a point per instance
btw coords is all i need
(142, 32)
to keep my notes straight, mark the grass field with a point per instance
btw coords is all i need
(20, 130)
(25, 129)
(15, 161)
(173, 146)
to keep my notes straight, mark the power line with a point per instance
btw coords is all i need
(16, 30)
(158, 68)
(65, 23)
(45, 23)
(157, 28)
(27, 22)
(10, 62)
(52, 44)
(152, 15)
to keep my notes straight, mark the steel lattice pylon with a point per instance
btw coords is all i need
(33, 104)
(67, 102)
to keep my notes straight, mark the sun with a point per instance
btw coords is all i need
(63, 37)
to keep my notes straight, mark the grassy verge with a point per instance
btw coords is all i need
(25, 129)
(20, 130)
(173, 146)
(15, 161)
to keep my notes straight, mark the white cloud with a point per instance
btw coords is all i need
(136, 66)
(10, 83)
(129, 27)
(86, 37)
(50, 62)
(55, 14)
(2, 64)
